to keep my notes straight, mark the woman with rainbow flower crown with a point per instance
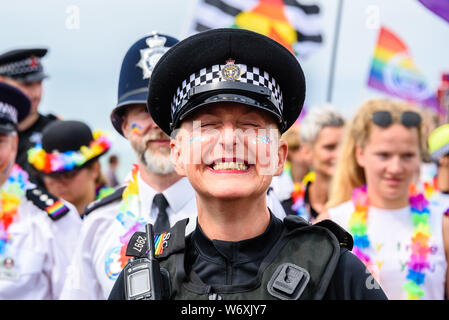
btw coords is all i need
(399, 229)
(36, 230)
(67, 161)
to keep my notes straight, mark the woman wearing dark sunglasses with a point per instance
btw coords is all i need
(399, 229)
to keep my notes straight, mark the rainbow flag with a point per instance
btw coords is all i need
(297, 26)
(394, 72)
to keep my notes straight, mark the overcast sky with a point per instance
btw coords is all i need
(87, 40)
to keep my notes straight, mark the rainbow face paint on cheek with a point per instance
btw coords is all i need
(136, 128)
(197, 138)
(261, 139)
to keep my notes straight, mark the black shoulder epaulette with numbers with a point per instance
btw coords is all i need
(165, 243)
(116, 195)
(47, 202)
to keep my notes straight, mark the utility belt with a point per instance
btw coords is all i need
(300, 265)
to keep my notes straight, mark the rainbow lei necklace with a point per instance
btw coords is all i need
(418, 262)
(11, 195)
(131, 220)
(299, 192)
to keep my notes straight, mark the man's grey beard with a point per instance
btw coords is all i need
(156, 163)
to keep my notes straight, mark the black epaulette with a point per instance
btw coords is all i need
(116, 195)
(47, 202)
(344, 238)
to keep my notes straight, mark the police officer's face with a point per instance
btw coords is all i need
(74, 186)
(150, 143)
(33, 90)
(8, 151)
(229, 150)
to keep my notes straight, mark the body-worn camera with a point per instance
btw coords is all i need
(144, 279)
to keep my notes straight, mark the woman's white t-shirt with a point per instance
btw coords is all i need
(390, 233)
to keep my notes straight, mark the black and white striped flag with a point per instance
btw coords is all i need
(297, 26)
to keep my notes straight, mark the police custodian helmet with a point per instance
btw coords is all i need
(135, 73)
(226, 65)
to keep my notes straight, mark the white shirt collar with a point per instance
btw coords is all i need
(177, 195)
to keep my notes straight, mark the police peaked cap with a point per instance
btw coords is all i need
(23, 64)
(14, 107)
(135, 73)
(226, 65)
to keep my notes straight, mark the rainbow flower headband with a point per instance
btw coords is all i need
(68, 160)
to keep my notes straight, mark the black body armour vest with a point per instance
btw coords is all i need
(300, 265)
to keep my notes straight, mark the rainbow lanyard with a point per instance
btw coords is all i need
(11, 195)
(418, 262)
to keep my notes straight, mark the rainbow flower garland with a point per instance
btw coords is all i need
(11, 195)
(129, 215)
(61, 161)
(418, 262)
(131, 220)
(299, 192)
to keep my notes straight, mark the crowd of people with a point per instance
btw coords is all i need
(241, 193)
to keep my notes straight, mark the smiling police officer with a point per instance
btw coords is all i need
(23, 69)
(225, 110)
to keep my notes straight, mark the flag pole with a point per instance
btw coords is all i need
(334, 52)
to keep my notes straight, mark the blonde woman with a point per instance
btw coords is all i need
(400, 231)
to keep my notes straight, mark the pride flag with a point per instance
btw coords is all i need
(394, 72)
(296, 26)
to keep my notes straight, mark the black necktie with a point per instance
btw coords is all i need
(162, 224)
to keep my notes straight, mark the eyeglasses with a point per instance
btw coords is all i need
(385, 118)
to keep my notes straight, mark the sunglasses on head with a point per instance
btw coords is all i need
(385, 118)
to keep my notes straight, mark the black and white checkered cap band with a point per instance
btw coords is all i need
(8, 112)
(252, 75)
(21, 67)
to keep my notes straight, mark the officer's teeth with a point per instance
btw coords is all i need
(230, 166)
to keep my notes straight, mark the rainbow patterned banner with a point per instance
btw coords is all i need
(295, 25)
(394, 72)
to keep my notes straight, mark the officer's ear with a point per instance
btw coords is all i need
(282, 157)
(125, 125)
(176, 154)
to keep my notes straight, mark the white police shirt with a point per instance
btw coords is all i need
(39, 254)
(96, 261)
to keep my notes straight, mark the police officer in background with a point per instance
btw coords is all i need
(37, 230)
(225, 110)
(68, 162)
(23, 69)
